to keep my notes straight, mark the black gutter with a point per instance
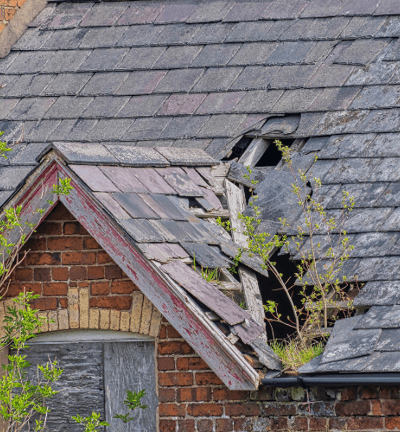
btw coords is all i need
(336, 380)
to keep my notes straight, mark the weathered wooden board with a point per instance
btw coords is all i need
(254, 152)
(226, 361)
(130, 366)
(205, 292)
(81, 385)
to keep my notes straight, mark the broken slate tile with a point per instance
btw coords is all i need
(180, 181)
(94, 178)
(135, 206)
(141, 231)
(380, 317)
(381, 293)
(164, 207)
(346, 342)
(152, 181)
(207, 256)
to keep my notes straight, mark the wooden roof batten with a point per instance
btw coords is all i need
(167, 296)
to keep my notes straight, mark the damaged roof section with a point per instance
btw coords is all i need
(201, 74)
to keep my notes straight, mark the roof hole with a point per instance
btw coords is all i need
(272, 155)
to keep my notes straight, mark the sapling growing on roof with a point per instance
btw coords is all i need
(321, 286)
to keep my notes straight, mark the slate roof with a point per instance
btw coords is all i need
(183, 74)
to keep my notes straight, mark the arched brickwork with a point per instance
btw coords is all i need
(80, 287)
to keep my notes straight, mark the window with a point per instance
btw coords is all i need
(99, 367)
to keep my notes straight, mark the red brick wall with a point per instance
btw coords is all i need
(192, 398)
(62, 254)
(8, 8)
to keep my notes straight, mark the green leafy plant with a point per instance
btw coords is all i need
(91, 423)
(209, 275)
(320, 264)
(132, 401)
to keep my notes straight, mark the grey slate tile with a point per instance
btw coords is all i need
(11, 177)
(384, 145)
(39, 131)
(359, 7)
(152, 181)
(365, 194)
(290, 53)
(252, 78)
(391, 196)
(177, 57)
(6, 61)
(104, 14)
(330, 76)
(387, 170)
(66, 84)
(104, 83)
(142, 231)
(26, 154)
(142, 82)
(187, 157)
(383, 362)
(315, 29)
(135, 156)
(177, 34)
(361, 27)
(389, 340)
(29, 62)
(377, 97)
(135, 206)
(72, 130)
(68, 107)
(333, 99)
(184, 127)
(164, 207)
(221, 125)
(139, 36)
(246, 11)
(66, 15)
(215, 55)
(64, 39)
(140, 13)
(296, 100)
(85, 154)
(65, 61)
(314, 144)
(212, 33)
(388, 7)
(200, 144)
(140, 58)
(31, 108)
(93, 177)
(361, 52)
(320, 52)
(367, 220)
(4, 196)
(6, 83)
(123, 179)
(214, 79)
(29, 85)
(147, 128)
(380, 317)
(103, 106)
(251, 32)
(7, 105)
(351, 170)
(176, 12)
(111, 205)
(210, 12)
(282, 9)
(103, 59)
(375, 73)
(180, 80)
(220, 102)
(207, 256)
(392, 222)
(320, 9)
(258, 101)
(109, 129)
(390, 28)
(181, 104)
(102, 37)
(372, 244)
(382, 293)
(289, 77)
(32, 39)
(346, 343)
(383, 120)
(393, 52)
(142, 106)
(180, 182)
(256, 53)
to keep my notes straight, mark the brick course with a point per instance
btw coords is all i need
(69, 269)
(8, 8)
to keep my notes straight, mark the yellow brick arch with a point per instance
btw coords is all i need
(143, 318)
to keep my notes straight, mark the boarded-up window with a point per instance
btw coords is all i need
(99, 367)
